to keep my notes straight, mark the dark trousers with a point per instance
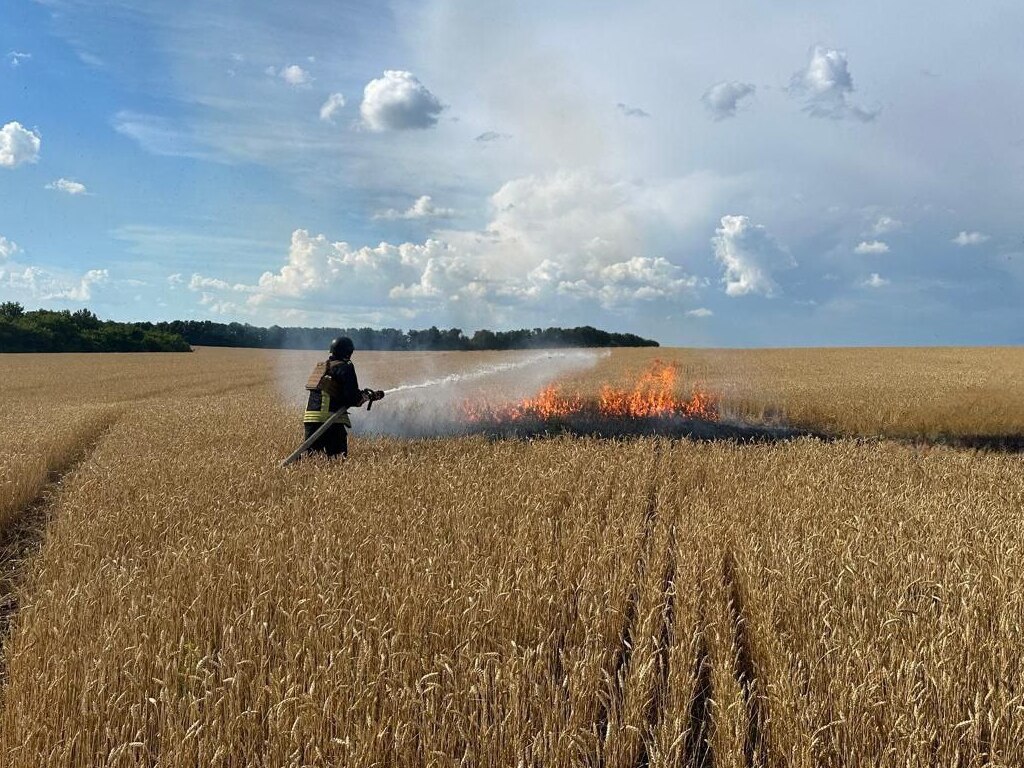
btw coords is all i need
(333, 442)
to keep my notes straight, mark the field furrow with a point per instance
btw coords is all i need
(568, 601)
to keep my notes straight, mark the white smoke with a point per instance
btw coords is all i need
(432, 407)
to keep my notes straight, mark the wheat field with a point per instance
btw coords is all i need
(463, 601)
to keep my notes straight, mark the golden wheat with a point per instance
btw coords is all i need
(471, 602)
(894, 392)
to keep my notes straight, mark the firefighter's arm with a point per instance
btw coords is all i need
(352, 396)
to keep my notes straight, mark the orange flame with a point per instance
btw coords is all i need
(653, 396)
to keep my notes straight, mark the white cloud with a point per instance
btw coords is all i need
(722, 99)
(218, 306)
(334, 104)
(750, 256)
(68, 186)
(16, 57)
(398, 101)
(7, 248)
(970, 238)
(640, 278)
(44, 284)
(699, 312)
(293, 74)
(21, 281)
(161, 136)
(569, 237)
(422, 208)
(872, 247)
(826, 86)
(875, 281)
(18, 145)
(200, 283)
(83, 291)
(175, 280)
(886, 224)
(316, 267)
(91, 59)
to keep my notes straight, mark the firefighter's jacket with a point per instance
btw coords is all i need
(320, 404)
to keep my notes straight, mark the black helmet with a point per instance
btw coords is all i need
(342, 348)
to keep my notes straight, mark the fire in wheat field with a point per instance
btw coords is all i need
(652, 405)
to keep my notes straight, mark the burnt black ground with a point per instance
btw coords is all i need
(675, 427)
(625, 427)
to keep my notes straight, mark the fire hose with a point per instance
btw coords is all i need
(370, 397)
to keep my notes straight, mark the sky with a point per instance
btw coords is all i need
(709, 174)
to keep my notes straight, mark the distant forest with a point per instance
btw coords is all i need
(81, 331)
(64, 331)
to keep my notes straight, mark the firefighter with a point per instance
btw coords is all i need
(333, 386)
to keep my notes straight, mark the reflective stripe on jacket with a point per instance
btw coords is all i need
(318, 410)
(322, 404)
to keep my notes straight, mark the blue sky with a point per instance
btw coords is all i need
(735, 173)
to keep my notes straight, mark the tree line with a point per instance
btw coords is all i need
(63, 331)
(81, 331)
(208, 333)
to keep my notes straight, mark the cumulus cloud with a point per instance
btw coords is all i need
(722, 99)
(970, 238)
(886, 224)
(699, 312)
(44, 284)
(827, 86)
(750, 256)
(16, 57)
(68, 186)
(629, 111)
(316, 267)
(422, 208)
(7, 248)
(217, 306)
(18, 145)
(334, 104)
(398, 101)
(83, 291)
(872, 247)
(292, 74)
(875, 281)
(640, 278)
(569, 236)
(200, 283)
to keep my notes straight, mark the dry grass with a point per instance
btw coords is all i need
(464, 602)
(38, 443)
(893, 392)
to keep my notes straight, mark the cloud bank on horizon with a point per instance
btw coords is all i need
(809, 177)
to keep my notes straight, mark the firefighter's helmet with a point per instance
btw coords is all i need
(342, 348)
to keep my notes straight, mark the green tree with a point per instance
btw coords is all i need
(11, 310)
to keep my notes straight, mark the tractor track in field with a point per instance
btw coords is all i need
(659, 696)
(755, 746)
(698, 750)
(23, 535)
(624, 653)
(190, 390)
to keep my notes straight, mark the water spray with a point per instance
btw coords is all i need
(454, 378)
